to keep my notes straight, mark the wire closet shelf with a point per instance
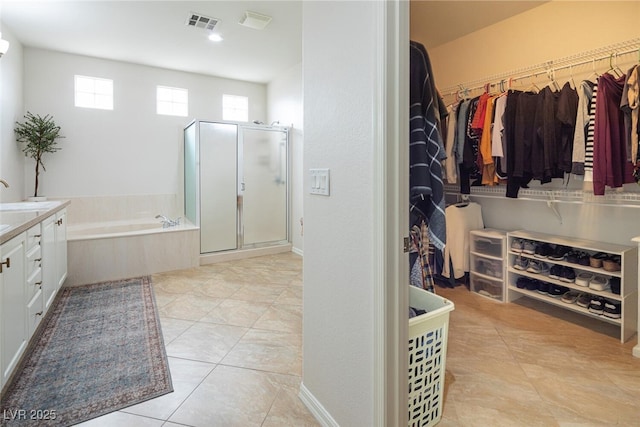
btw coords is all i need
(503, 81)
(612, 53)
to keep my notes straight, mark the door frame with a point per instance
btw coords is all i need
(391, 213)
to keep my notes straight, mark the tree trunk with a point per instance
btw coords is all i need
(35, 192)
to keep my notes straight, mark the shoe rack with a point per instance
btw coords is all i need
(624, 271)
(486, 263)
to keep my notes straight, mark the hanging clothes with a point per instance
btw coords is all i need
(426, 151)
(451, 163)
(583, 116)
(611, 166)
(566, 115)
(461, 220)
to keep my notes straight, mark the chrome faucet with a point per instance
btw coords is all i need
(166, 222)
(5, 183)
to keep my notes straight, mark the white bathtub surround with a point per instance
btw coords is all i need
(119, 208)
(117, 237)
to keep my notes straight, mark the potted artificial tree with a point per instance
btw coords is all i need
(38, 135)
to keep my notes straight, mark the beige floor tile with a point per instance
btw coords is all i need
(258, 293)
(289, 411)
(229, 397)
(189, 307)
(173, 328)
(186, 375)
(281, 317)
(271, 351)
(236, 312)
(205, 342)
(292, 296)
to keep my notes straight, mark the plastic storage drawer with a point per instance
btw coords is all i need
(486, 286)
(487, 245)
(487, 266)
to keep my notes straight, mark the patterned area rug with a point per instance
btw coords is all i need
(99, 349)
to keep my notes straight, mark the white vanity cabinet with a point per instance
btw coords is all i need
(54, 249)
(13, 317)
(34, 266)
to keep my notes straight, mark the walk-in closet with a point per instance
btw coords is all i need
(525, 196)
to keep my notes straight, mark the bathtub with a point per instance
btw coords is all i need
(111, 250)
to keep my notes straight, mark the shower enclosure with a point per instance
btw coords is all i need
(236, 184)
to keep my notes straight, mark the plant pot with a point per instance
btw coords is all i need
(37, 199)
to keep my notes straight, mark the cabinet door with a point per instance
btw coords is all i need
(13, 316)
(61, 247)
(49, 261)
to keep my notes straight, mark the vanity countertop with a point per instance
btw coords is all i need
(20, 216)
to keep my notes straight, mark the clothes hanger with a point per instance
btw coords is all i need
(551, 74)
(464, 201)
(572, 83)
(533, 87)
(594, 75)
(613, 69)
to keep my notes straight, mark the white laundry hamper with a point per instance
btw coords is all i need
(427, 356)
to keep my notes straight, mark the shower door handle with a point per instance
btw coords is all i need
(242, 186)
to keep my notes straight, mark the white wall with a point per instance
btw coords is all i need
(130, 150)
(338, 70)
(11, 110)
(284, 95)
(553, 30)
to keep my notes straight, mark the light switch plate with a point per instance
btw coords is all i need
(319, 182)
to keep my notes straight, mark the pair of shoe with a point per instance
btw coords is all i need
(528, 283)
(570, 297)
(578, 257)
(522, 245)
(612, 263)
(521, 263)
(592, 281)
(556, 291)
(562, 272)
(604, 307)
(538, 267)
(559, 252)
(543, 250)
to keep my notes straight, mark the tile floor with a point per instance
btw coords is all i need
(233, 334)
(233, 338)
(532, 364)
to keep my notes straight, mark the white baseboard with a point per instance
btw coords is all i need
(317, 410)
(297, 251)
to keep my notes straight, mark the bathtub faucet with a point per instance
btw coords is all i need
(166, 222)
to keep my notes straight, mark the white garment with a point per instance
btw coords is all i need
(460, 221)
(451, 163)
(498, 127)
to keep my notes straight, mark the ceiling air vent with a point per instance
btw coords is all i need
(200, 21)
(254, 20)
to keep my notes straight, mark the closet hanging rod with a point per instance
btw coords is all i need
(619, 49)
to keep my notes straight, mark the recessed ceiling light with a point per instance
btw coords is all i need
(215, 37)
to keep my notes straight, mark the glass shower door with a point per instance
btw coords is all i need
(218, 184)
(263, 185)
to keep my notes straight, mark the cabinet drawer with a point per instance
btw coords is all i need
(33, 237)
(35, 312)
(34, 260)
(487, 266)
(486, 245)
(487, 287)
(34, 282)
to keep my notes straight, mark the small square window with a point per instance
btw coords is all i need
(235, 108)
(93, 92)
(172, 101)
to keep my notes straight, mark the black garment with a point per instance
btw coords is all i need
(469, 166)
(426, 147)
(519, 125)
